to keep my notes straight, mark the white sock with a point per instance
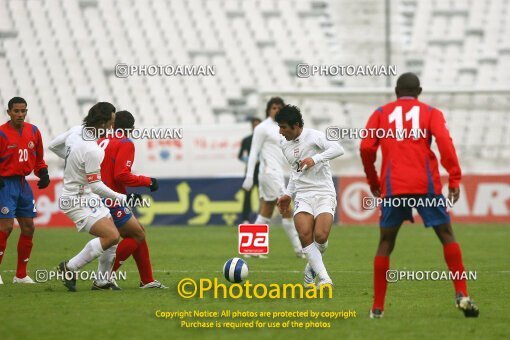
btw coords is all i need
(314, 257)
(104, 267)
(88, 254)
(322, 247)
(262, 220)
(290, 229)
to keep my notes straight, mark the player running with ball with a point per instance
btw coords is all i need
(410, 169)
(311, 185)
(83, 190)
(265, 147)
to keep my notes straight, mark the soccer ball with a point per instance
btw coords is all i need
(235, 270)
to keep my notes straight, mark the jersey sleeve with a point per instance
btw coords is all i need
(39, 160)
(446, 148)
(368, 152)
(256, 145)
(123, 163)
(331, 149)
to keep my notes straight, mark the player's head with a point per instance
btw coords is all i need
(254, 122)
(124, 120)
(408, 85)
(290, 121)
(100, 116)
(17, 111)
(273, 106)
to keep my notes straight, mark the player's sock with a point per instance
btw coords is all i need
(262, 220)
(126, 247)
(3, 244)
(381, 266)
(290, 229)
(314, 258)
(322, 247)
(453, 257)
(143, 262)
(24, 250)
(105, 263)
(90, 252)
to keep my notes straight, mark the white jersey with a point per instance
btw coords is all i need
(316, 180)
(265, 147)
(82, 171)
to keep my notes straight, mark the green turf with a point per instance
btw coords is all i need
(413, 309)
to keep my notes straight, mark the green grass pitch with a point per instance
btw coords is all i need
(414, 309)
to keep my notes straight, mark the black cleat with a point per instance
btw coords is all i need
(376, 313)
(69, 276)
(466, 305)
(108, 285)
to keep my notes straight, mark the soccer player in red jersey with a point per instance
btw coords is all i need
(116, 174)
(21, 152)
(410, 170)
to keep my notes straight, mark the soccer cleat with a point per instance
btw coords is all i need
(300, 255)
(466, 305)
(26, 279)
(105, 285)
(153, 284)
(309, 275)
(376, 313)
(69, 276)
(324, 283)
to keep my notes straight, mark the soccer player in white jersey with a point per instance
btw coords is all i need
(265, 147)
(311, 185)
(82, 193)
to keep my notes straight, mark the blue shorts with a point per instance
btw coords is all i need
(393, 215)
(16, 198)
(120, 215)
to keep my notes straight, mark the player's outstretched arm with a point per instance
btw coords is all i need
(446, 148)
(256, 145)
(124, 161)
(368, 153)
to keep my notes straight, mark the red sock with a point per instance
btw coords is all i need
(24, 250)
(381, 266)
(143, 262)
(3, 243)
(453, 258)
(125, 248)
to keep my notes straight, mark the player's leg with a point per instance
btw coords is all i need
(6, 225)
(25, 244)
(132, 235)
(437, 216)
(453, 258)
(389, 224)
(25, 213)
(292, 234)
(322, 228)
(246, 206)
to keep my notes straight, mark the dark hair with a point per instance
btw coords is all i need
(16, 100)
(408, 84)
(271, 102)
(291, 115)
(255, 119)
(99, 114)
(124, 120)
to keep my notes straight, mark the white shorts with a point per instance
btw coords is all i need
(271, 186)
(315, 205)
(85, 216)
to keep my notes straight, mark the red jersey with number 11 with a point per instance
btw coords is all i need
(408, 164)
